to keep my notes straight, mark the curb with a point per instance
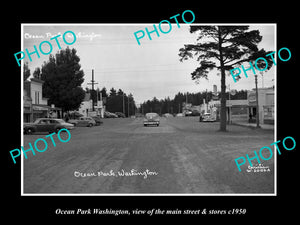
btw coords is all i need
(251, 127)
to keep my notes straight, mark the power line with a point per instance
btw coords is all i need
(116, 41)
(149, 65)
(140, 71)
(122, 70)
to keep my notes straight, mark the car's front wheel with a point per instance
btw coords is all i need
(58, 129)
(29, 131)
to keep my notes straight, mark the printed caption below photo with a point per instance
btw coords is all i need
(150, 212)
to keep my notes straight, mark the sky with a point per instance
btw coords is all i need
(147, 70)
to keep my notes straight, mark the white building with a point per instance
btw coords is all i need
(86, 107)
(36, 92)
(35, 106)
(266, 106)
(236, 110)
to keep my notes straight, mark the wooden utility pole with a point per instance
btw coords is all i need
(93, 82)
(257, 106)
(206, 101)
(123, 104)
(128, 105)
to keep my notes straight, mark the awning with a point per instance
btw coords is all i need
(40, 108)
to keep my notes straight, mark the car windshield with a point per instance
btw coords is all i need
(151, 115)
(37, 121)
(40, 121)
(60, 120)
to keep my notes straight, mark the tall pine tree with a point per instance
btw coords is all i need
(223, 48)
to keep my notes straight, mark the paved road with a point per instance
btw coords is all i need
(181, 156)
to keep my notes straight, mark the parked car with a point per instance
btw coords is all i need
(151, 119)
(179, 115)
(188, 113)
(195, 113)
(46, 125)
(84, 121)
(207, 117)
(109, 115)
(120, 114)
(97, 120)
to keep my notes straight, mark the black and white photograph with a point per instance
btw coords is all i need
(170, 108)
(150, 111)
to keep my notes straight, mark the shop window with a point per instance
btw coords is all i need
(36, 97)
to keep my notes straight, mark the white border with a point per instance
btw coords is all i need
(148, 194)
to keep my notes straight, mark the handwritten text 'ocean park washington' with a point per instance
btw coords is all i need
(120, 173)
(67, 34)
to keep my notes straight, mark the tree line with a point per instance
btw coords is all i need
(114, 101)
(175, 105)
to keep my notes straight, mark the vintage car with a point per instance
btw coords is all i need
(46, 125)
(84, 121)
(188, 113)
(120, 114)
(151, 119)
(207, 117)
(97, 120)
(110, 115)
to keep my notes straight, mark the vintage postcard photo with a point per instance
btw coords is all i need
(172, 108)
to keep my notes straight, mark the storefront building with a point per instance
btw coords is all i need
(27, 107)
(236, 110)
(86, 107)
(266, 106)
(34, 105)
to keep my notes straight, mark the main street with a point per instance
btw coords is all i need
(181, 156)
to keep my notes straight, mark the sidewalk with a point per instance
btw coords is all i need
(253, 125)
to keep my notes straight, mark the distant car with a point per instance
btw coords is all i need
(179, 115)
(167, 115)
(195, 113)
(137, 115)
(84, 121)
(207, 117)
(120, 114)
(151, 119)
(46, 125)
(188, 113)
(97, 120)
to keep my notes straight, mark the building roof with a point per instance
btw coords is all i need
(237, 102)
(37, 80)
